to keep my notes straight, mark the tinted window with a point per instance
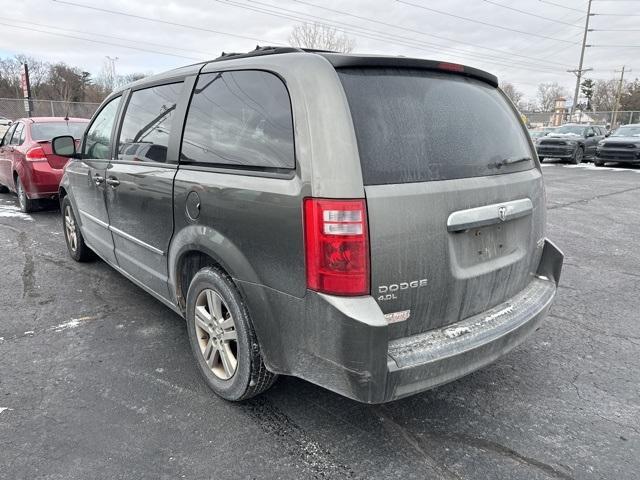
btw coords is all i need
(98, 139)
(147, 123)
(46, 131)
(416, 126)
(18, 136)
(7, 134)
(239, 118)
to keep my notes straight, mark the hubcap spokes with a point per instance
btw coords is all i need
(216, 333)
(70, 229)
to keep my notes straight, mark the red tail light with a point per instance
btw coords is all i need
(36, 154)
(337, 246)
(451, 67)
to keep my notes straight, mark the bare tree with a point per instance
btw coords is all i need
(548, 93)
(321, 37)
(513, 93)
(604, 94)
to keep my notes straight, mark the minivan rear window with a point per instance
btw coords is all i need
(417, 125)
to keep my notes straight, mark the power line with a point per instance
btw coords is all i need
(98, 41)
(559, 5)
(380, 36)
(614, 46)
(166, 22)
(501, 27)
(531, 14)
(368, 19)
(55, 27)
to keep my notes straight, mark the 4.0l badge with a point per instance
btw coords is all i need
(388, 292)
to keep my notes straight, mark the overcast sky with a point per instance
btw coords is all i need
(525, 59)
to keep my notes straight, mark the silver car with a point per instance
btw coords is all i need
(374, 225)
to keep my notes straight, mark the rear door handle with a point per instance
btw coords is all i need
(113, 182)
(98, 180)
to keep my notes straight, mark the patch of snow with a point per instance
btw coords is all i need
(2, 409)
(456, 332)
(159, 370)
(73, 323)
(29, 332)
(8, 210)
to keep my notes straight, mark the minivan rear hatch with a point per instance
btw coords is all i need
(454, 195)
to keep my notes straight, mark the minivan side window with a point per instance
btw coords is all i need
(144, 135)
(18, 135)
(97, 143)
(239, 118)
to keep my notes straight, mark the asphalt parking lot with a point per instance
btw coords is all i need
(97, 380)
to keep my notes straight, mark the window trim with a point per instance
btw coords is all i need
(12, 128)
(106, 102)
(252, 170)
(176, 123)
(20, 140)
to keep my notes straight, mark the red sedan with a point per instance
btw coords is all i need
(27, 163)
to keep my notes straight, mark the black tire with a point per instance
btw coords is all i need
(250, 377)
(78, 249)
(598, 163)
(26, 205)
(541, 159)
(3, 189)
(578, 157)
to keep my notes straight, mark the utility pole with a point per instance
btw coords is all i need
(618, 95)
(579, 71)
(111, 71)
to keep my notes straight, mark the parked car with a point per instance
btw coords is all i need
(5, 123)
(352, 238)
(537, 133)
(573, 142)
(622, 146)
(27, 163)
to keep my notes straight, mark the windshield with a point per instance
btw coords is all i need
(417, 125)
(48, 130)
(570, 129)
(628, 131)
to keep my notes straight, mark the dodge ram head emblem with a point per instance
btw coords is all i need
(502, 213)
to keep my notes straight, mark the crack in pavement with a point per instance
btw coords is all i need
(595, 197)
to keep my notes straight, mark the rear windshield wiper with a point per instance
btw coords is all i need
(509, 161)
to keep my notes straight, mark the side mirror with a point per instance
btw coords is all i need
(64, 146)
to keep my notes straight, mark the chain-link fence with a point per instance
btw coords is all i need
(539, 119)
(14, 108)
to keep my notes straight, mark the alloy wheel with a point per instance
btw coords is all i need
(70, 229)
(216, 334)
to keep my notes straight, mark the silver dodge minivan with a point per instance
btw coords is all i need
(374, 225)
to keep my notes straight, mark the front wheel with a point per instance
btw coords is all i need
(578, 156)
(78, 250)
(26, 205)
(222, 338)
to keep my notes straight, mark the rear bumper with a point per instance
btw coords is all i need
(40, 180)
(342, 344)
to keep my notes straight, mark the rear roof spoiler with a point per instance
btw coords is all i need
(363, 61)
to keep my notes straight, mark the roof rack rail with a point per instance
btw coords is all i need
(266, 50)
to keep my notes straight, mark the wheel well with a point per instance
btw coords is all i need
(189, 264)
(62, 193)
(15, 179)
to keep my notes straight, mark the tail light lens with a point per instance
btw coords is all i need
(337, 246)
(36, 154)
